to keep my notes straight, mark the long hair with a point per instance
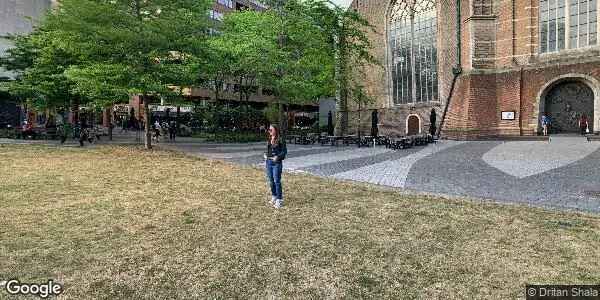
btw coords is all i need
(275, 136)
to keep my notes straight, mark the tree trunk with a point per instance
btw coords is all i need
(218, 88)
(241, 90)
(177, 119)
(110, 131)
(111, 121)
(147, 123)
(282, 120)
(341, 101)
(74, 117)
(341, 118)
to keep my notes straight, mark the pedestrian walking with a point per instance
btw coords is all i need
(172, 130)
(156, 129)
(432, 120)
(545, 120)
(583, 124)
(84, 134)
(276, 152)
(124, 124)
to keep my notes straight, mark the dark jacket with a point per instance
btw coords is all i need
(279, 150)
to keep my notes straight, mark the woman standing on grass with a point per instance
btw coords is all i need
(276, 152)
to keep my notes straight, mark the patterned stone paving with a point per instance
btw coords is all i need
(394, 172)
(523, 159)
(563, 173)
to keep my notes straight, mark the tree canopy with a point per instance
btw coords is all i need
(104, 51)
(303, 50)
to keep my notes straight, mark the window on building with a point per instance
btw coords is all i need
(581, 17)
(213, 31)
(268, 92)
(258, 4)
(215, 15)
(239, 6)
(582, 23)
(227, 3)
(413, 65)
(482, 7)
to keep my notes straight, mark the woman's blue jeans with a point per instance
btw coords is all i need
(274, 175)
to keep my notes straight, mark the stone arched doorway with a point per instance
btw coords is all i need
(413, 125)
(565, 102)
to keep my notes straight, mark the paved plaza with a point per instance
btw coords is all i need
(563, 173)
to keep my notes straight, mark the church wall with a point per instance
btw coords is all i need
(393, 117)
(502, 70)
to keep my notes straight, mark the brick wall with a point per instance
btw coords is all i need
(393, 118)
(502, 70)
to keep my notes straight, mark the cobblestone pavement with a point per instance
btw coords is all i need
(563, 173)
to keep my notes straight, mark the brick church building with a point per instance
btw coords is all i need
(487, 68)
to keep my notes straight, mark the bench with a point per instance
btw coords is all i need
(399, 142)
(366, 141)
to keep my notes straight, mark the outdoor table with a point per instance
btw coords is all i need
(333, 139)
(400, 142)
(350, 139)
(366, 140)
(305, 140)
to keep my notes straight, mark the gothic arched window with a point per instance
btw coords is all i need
(413, 63)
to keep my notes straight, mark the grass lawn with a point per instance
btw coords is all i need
(124, 223)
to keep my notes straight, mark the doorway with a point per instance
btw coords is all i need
(413, 125)
(566, 102)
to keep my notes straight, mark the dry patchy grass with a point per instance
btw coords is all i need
(123, 223)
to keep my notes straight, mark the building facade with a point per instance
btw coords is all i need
(19, 17)
(486, 67)
(16, 17)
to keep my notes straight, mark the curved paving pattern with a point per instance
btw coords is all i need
(393, 173)
(563, 173)
(523, 159)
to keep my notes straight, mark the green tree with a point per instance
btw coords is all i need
(127, 47)
(216, 69)
(282, 49)
(39, 65)
(314, 49)
(347, 32)
(245, 51)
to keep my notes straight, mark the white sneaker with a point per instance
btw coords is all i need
(272, 201)
(278, 203)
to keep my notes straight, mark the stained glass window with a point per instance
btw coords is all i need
(413, 64)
